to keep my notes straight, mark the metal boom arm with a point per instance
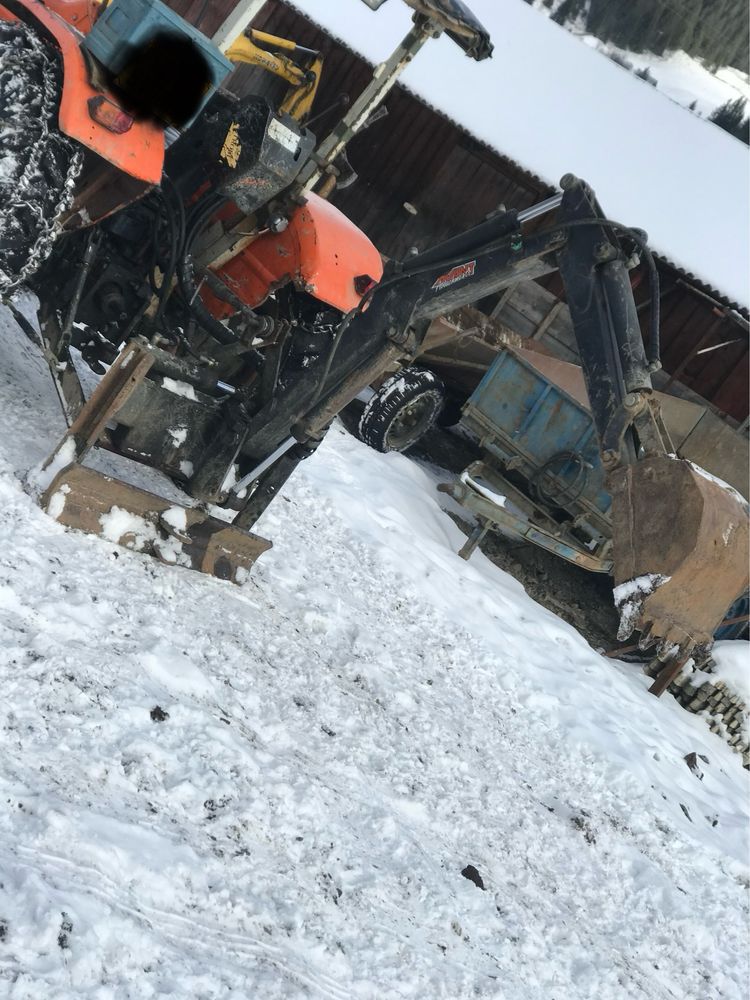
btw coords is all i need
(592, 260)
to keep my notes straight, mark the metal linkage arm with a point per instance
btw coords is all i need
(393, 319)
(588, 250)
(391, 328)
(384, 78)
(603, 313)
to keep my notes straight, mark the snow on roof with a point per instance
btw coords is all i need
(556, 106)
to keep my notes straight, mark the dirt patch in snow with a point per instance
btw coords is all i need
(582, 599)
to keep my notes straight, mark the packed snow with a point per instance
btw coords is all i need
(179, 435)
(273, 790)
(732, 664)
(629, 597)
(118, 523)
(558, 106)
(178, 388)
(483, 489)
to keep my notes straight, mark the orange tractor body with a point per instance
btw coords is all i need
(321, 251)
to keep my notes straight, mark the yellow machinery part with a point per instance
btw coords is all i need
(303, 80)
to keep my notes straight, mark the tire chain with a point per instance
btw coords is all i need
(36, 162)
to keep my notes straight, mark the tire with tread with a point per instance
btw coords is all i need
(404, 407)
(38, 165)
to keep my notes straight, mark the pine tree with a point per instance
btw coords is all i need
(716, 31)
(568, 11)
(732, 118)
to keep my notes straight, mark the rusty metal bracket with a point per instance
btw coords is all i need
(312, 425)
(515, 523)
(614, 434)
(120, 382)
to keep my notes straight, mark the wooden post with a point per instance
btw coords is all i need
(547, 321)
(503, 301)
(665, 677)
(711, 332)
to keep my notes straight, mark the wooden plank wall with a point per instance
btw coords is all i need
(417, 159)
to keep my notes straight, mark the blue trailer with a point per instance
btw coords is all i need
(541, 478)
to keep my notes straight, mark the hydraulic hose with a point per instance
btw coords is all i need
(189, 288)
(191, 295)
(175, 223)
(568, 493)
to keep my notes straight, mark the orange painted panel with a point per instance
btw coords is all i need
(80, 13)
(139, 151)
(321, 251)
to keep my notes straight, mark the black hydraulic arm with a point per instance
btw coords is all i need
(605, 321)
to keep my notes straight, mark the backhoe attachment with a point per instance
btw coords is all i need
(680, 537)
(299, 66)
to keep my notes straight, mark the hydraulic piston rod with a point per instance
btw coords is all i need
(534, 211)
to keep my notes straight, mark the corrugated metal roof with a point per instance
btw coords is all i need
(553, 104)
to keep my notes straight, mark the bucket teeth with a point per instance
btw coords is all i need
(701, 654)
(646, 638)
(625, 630)
(675, 645)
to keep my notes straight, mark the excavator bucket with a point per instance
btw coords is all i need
(681, 548)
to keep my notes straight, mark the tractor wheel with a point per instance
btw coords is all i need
(38, 165)
(404, 407)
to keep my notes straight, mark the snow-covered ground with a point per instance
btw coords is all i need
(733, 667)
(272, 791)
(684, 79)
(681, 77)
(557, 106)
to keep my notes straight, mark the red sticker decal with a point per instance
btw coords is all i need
(454, 275)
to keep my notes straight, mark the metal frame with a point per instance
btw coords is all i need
(512, 520)
(83, 498)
